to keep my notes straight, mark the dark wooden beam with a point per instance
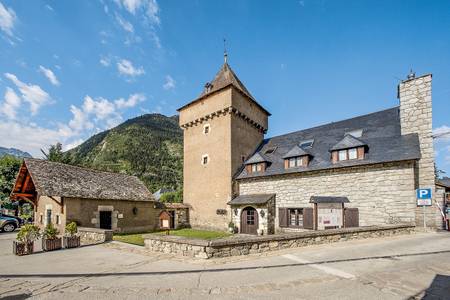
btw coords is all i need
(25, 184)
(22, 195)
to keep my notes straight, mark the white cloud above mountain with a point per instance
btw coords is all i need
(50, 75)
(149, 7)
(127, 26)
(31, 93)
(132, 101)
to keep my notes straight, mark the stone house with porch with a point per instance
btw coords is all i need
(357, 172)
(62, 193)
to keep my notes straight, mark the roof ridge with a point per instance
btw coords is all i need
(78, 167)
(336, 122)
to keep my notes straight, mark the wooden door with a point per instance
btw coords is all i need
(105, 219)
(249, 221)
(351, 217)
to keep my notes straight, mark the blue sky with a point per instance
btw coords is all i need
(72, 68)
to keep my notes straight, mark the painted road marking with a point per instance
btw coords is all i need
(326, 269)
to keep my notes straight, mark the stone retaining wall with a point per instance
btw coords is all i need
(244, 245)
(92, 236)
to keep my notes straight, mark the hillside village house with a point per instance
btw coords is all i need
(63, 193)
(356, 172)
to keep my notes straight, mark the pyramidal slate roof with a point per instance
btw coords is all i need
(349, 141)
(296, 151)
(225, 78)
(381, 135)
(444, 182)
(257, 158)
(62, 180)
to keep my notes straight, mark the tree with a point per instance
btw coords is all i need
(56, 154)
(172, 197)
(9, 167)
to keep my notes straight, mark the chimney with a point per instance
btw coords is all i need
(414, 94)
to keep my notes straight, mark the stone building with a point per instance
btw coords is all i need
(356, 172)
(63, 193)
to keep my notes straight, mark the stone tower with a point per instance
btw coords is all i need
(414, 94)
(222, 127)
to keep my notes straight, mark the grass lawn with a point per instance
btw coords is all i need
(137, 239)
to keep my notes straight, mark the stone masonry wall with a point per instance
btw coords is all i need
(258, 244)
(384, 193)
(92, 236)
(416, 117)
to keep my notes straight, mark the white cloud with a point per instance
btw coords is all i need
(149, 7)
(170, 83)
(33, 94)
(7, 19)
(49, 7)
(132, 101)
(32, 138)
(80, 120)
(105, 61)
(127, 26)
(10, 104)
(125, 67)
(442, 132)
(49, 74)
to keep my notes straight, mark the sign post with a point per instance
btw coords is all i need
(424, 197)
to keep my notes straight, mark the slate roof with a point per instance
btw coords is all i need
(444, 182)
(328, 199)
(381, 134)
(256, 158)
(347, 142)
(251, 199)
(225, 78)
(62, 180)
(295, 152)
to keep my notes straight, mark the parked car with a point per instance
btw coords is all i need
(20, 221)
(8, 224)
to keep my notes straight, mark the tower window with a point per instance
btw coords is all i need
(206, 129)
(205, 159)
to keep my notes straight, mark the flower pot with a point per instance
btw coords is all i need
(20, 248)
(51, 244)
(71, 241)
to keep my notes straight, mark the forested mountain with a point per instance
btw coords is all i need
(13, 152)
(149, 146)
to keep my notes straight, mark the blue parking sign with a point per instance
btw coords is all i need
(424, 197)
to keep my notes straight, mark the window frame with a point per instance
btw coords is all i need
(206, 129)
(297, 161)
(347, 154)
(298, 212)
(205, 156)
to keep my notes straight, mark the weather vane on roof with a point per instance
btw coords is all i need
(225, 54)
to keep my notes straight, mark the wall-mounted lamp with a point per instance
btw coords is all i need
(262, 213)
(235, 211)
(135, 210)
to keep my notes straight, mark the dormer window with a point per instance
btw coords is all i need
(349, 148)
(258, 167)
(348, 154)
(297, 161)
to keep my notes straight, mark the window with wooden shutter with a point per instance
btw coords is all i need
(308, 218)
(282, 217)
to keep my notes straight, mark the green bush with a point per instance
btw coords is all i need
(71, 229)
(28, 233)
(172, 197)
(50, 232)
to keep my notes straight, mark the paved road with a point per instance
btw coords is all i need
(407, 267)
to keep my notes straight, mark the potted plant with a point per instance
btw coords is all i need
(71, 239)
(50, 239)
(231, 227)
(25, 239)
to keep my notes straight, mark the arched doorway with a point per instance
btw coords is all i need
(249, 221)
